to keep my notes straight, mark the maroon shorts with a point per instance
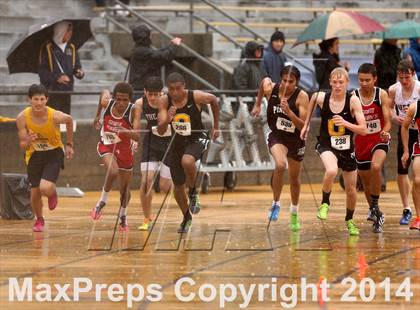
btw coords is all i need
(124, 156)
(295, 147)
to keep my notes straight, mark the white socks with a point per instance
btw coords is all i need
(123, 211)
(293, 208)
(104, 196)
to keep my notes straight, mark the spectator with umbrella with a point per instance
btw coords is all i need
(59, 62)
(50, 50)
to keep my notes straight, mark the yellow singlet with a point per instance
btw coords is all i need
(49, 136)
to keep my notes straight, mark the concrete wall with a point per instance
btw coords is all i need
(85, 172)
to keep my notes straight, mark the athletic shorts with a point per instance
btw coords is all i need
(154, 148)
(45, 165)
(412, 138)
(365, 147)
(295, 147)
(125, 157)
(193, 146)
(164, 172)
(345, 159)
(416, 150)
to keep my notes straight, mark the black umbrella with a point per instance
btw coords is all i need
(23, 56)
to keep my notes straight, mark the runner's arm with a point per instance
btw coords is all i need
(25, 137)
(356, 109)
(103, 102)
(136, 114)
(206, 98)
(404, 131)
(63, 118)
(163, 117)
(302, 104)
(386, 111)
(266, 87)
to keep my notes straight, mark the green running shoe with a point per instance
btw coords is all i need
(294, 222)
(185, 225)
(323, 211)
(353, 230)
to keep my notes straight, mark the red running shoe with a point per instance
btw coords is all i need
(38, 225)
(416, 223)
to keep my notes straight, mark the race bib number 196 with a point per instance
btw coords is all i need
(340, 142)
(110, 138)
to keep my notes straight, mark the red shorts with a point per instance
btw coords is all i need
(124, 156)
(416, 149)
(364, 148)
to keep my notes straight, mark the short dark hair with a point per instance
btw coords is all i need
(278, 35)
(405, 66)
(292, 70)
(368, 68)
(153, 83)
(175, 77)
(124, 88)
(37, 89)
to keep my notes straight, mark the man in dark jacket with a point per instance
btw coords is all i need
(59, 62)
(386, 60)
(249, 73)
(145, 61)
(273, 59)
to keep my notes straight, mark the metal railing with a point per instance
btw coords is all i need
(189, 50)
(173, 62)
(257, 36)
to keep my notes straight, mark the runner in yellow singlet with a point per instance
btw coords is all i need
(39, 136)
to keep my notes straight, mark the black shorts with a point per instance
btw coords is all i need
(45, 165)
(154, 148)
(295, 147)
(365, 165)
(345, 159)
(412, 138)
(193, 146)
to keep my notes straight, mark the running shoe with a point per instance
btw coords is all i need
(185, 225)
(147, 224)
(273, 213)
(194, 202)
(123, 223)
(406, 217)
(415, 224)
(38, 225)
(353, 230)
(96, 212)
(379, 220)
(294, 222)
(370, 216)
(52, 201)
(323, 211)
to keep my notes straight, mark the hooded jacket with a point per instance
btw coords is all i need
(414, 51)
(273, 63)
(146, 61)
(249, 73)
(386, 60)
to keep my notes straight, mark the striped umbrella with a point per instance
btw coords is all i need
(338, 24)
